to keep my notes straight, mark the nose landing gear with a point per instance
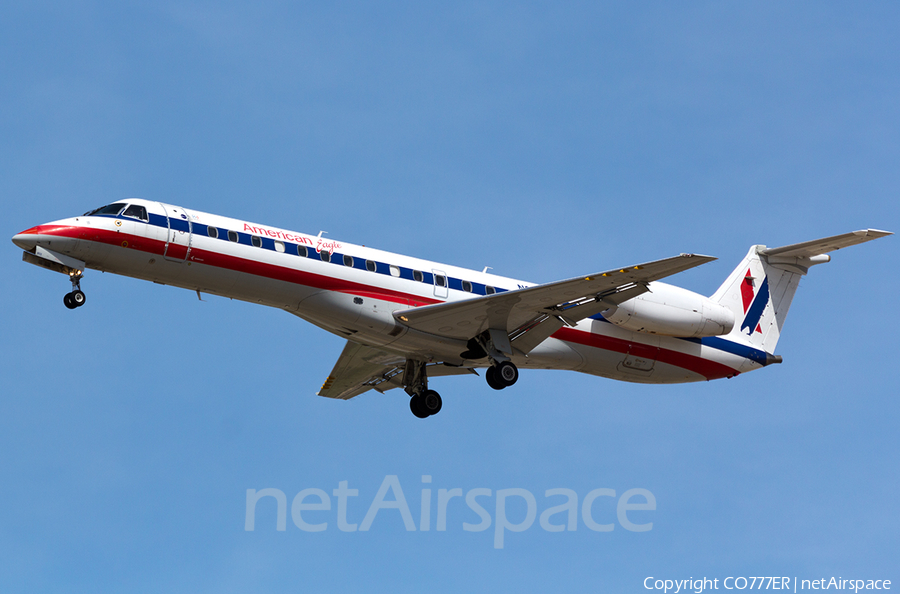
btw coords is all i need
(76, 298)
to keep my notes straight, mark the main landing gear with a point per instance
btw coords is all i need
(76, 298)
(494, 345)
(502, 376)
(429, 403)
(422, 402)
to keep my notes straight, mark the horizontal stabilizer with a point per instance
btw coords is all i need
(816, 247)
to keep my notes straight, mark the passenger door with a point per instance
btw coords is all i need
(180, 231)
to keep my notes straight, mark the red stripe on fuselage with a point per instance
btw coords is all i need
(708, 369)
(238, 264)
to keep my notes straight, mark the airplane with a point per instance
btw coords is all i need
(407, 320)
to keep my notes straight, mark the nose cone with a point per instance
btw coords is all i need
(27, 239)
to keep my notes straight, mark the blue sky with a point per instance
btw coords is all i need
(541, 140)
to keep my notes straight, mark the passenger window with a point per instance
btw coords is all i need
(136, 211)
(212, 232)
(417, 275)
(256, 241)
(467, 286)
(348, 260)
(394, 271)
(233, 236)
(440, 280)
(279, 247)
(301, 251)
(370, 266)
(326, 256)
(489, 290)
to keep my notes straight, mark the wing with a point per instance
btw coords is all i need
(532, 314)
(361, 368)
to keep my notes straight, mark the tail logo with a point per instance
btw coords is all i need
(753, 305)
(747, 290)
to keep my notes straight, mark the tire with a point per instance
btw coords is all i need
(78, 298)
(507, 373)
(417, 408)
(431, 402)
(70, 303)
(493, 381)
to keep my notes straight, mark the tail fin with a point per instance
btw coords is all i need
(759, 291)
(759, 295)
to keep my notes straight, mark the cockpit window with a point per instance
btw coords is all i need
(111, 209)
(137, 211)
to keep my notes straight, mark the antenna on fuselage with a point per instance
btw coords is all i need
(486, 268)
(321, 233)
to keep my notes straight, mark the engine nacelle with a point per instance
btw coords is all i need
(672, 311)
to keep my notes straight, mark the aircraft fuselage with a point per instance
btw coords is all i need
(353, 291)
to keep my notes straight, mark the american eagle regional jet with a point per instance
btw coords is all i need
(407, 320)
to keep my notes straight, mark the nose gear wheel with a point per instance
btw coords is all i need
(76, 298)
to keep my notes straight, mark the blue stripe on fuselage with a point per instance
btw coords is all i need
(735, 348)
(719, 343)
(384, 268)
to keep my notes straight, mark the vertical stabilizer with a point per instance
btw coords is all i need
(760, 296)
(760, 290)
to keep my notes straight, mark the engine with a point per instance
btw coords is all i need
(672, 311)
